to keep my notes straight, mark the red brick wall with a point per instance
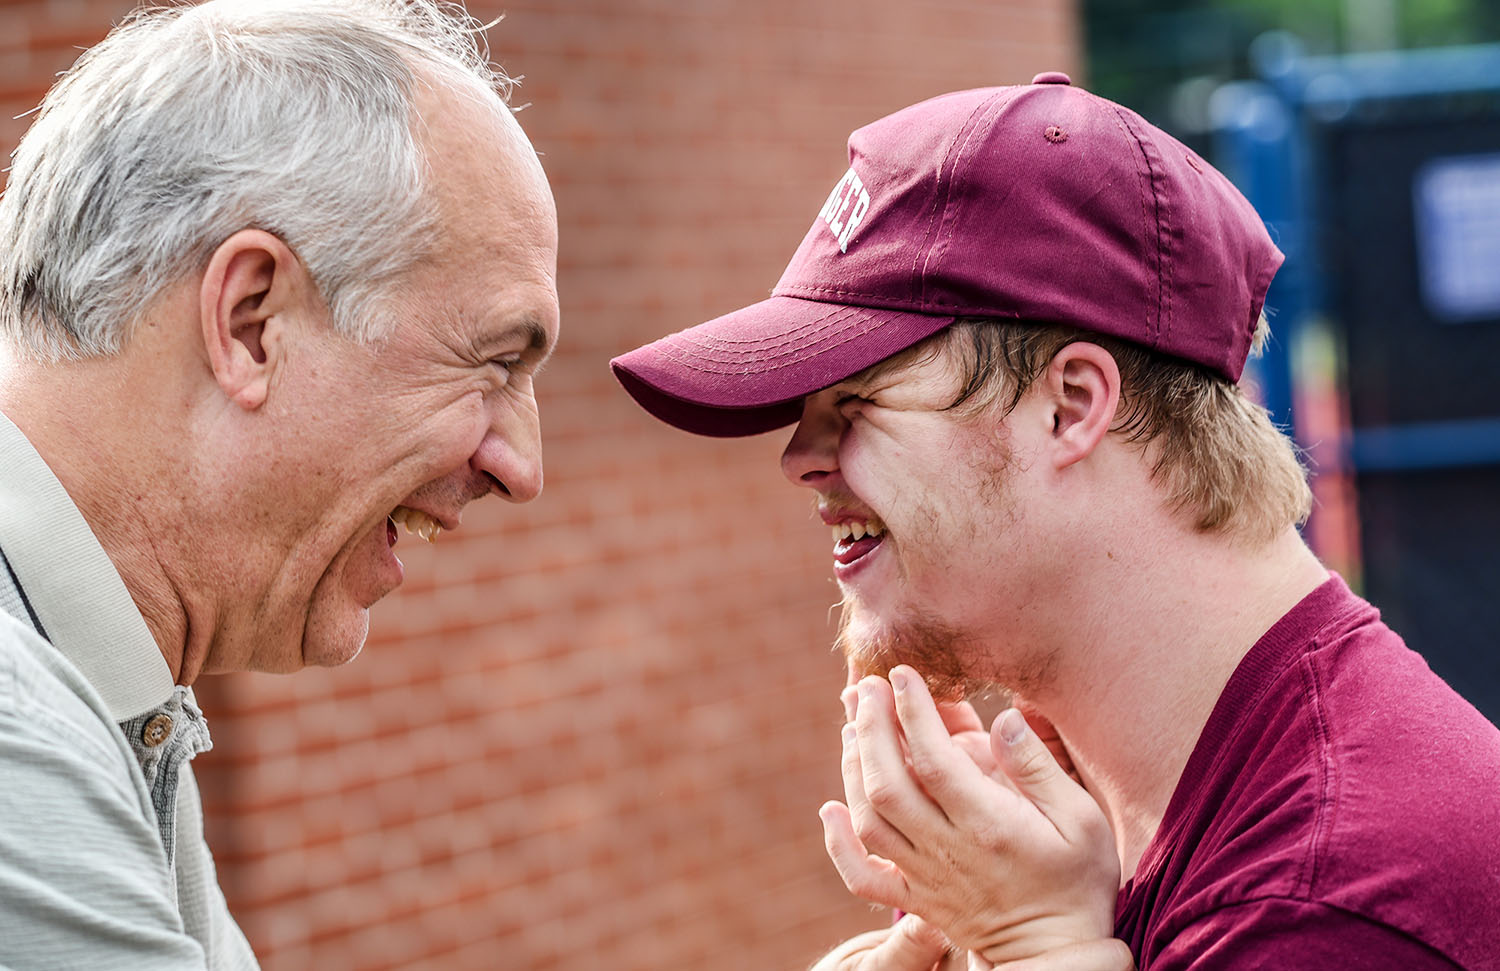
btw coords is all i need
(594, 731)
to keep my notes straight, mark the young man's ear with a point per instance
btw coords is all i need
(1083, 389)
(252, 282)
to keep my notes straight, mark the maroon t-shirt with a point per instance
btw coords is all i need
(1341, 810)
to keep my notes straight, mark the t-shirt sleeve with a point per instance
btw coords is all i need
(1292, 935)
(83, 876)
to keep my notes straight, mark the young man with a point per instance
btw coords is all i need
(1010, 344)
(274, 276)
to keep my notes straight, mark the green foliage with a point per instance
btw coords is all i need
(1140, 51)
(1419, 23)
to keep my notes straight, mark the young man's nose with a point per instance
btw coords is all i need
(812, 454)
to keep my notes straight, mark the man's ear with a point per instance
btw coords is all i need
(1083, 391)
(253, 281)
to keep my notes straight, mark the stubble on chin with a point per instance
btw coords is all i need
(931, 647)
(954, 665)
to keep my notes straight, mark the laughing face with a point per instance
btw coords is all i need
(929, 546)
(405, 431)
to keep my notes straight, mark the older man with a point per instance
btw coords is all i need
(275, 276)
(1010, 345)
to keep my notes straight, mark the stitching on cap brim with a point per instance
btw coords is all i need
(747, 382)
(702, 350)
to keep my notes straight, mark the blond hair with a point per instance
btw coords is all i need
(1215, 452)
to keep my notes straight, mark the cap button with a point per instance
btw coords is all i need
(1052, 77)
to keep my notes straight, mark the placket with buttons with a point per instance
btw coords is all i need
(164, 739)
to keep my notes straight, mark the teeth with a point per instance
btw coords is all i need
(417, 523)
(857, 530)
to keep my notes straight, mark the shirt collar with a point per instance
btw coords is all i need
(73, 586)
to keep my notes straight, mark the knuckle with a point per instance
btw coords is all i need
(882, 794)
(862, 885)
(868, 828)
(992, 838)
(1036, 765)
(930, 770)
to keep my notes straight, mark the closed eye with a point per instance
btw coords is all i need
(508, 363)
(845, 399)
(505, 370)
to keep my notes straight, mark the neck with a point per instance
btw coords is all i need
(99, 431)
(1137, 685)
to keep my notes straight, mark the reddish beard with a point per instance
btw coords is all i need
(929, 646)
(954, 665)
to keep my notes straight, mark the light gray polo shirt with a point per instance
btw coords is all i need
(102, 860)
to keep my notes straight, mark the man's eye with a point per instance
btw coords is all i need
(846, 399)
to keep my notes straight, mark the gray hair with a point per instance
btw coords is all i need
(188, 124)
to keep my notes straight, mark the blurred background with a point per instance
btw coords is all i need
(595, 730)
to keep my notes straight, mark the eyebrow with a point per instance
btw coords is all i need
(530, 327)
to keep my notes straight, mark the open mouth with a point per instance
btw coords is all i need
(853, 540)
(416, 522)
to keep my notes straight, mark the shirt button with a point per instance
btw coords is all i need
(157, 730)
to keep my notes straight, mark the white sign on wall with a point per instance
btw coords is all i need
(1457, 203)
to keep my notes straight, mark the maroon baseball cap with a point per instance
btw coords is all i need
(1039, 203)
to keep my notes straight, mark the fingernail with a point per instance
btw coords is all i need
(866, 689)
(898, 679)
(850, 698)
(1012, 726)
(849, 734)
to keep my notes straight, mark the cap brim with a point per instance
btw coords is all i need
(748, 371)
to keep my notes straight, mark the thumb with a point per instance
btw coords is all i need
(914, 945)
(1048, 733)
(1027, 761)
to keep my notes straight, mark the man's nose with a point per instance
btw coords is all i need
(812, 454)
(510, 457)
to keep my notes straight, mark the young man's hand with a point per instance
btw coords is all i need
(1100, 955)
(1012, 864)
(907, 945)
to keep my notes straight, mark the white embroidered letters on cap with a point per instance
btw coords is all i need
(836, 212)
